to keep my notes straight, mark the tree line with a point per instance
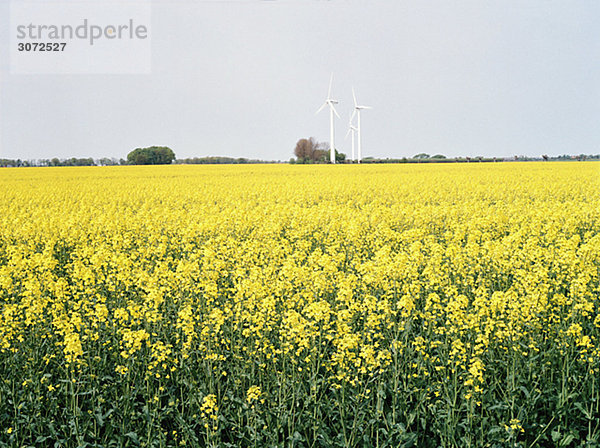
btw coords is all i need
(307, 151)
(217, 160)
(73, 161)
(153, 155)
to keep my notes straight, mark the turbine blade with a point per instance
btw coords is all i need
(321, 108)
(354, 96)
(330, 83)
(334, 111)
(348, 133)
(353, 114)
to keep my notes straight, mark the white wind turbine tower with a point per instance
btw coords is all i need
(357, 110)
(352, 129)
(330, 102)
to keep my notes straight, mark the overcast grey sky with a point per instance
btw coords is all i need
(244, 79)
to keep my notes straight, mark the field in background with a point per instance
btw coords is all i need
(278, 305)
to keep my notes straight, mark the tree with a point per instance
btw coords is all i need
(421, 155)
(305, 149)
(321, 154)
(154, 155)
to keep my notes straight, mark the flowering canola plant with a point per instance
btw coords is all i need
(271, 305)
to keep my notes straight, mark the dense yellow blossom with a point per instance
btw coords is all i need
(418, 293)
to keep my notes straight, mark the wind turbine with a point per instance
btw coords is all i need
(357, 110)
(352, 129)
(330, 102)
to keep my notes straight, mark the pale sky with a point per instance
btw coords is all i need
(244, 79)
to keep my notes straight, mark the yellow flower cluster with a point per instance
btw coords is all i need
(253, 394)
(209, 411)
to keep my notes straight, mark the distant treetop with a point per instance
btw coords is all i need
(421, 155)
(154, 155)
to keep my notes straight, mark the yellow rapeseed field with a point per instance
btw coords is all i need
(280, 305)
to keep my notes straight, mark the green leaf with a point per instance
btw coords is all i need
(567, 440)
